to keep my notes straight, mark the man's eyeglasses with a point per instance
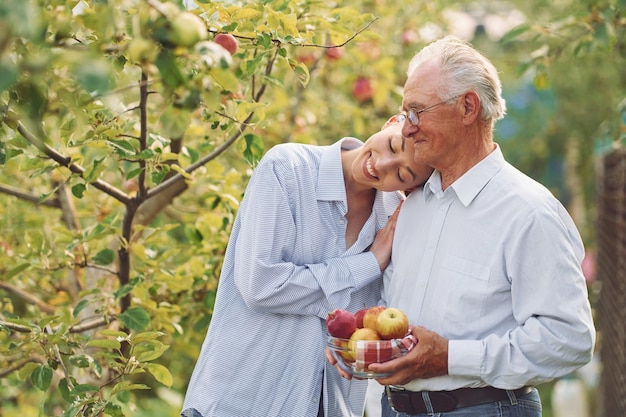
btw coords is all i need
(413, 115)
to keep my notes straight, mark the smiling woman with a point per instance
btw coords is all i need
(309, 238)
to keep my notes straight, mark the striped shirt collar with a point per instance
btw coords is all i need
(330, 182)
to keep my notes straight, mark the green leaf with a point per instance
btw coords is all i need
(174, 121)
(15, 271)
(113, 410)
(41, 377)
(27, 370)
(127, 386)
(104, 343)
(254, 148)
(171, 74)
(94, 75)
(159, 173)
(150, 350)
(122, 147)
(80, 306)
(65, 390)
(144, 336)
(134, 173)
(225, 78)
(80, 361)
(104, 257)
(84, 389)
(160, 373)
(78, 190)
(513, 33)
(8, 74)
(193, 234)
(118, 334)
(135, 318)
(301, 71)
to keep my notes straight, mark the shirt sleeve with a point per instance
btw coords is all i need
(555, 334)
(266, 272)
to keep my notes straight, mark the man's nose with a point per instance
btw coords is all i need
(408, 129)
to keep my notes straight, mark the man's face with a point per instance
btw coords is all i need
(439, 130)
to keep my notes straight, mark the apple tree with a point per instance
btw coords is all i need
(128, 129)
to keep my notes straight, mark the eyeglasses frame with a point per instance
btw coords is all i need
(415, 114)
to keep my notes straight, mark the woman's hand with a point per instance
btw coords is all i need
(381, 248)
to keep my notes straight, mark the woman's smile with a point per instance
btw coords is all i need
(368, 167)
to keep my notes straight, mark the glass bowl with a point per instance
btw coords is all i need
(355, 356)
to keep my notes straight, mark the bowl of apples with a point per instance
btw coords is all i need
(371, 335)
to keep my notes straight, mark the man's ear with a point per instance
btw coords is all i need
(471, 103)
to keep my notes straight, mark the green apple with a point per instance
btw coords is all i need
(187, 29)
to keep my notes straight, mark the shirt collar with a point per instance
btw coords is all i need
(330, 181)
(469, 185)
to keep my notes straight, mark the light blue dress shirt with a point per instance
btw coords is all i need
(493, 263)
(286, 267)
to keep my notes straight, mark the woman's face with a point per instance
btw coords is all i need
(385, 162)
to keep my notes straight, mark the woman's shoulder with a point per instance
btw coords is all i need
(293, 155)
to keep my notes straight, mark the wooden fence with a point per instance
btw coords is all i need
(611, 273)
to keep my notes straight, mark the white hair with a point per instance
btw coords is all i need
(463, 68)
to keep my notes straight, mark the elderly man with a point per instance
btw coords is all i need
(486, 262)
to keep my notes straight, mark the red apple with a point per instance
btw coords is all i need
(409, 36)
(371, 315)
(359, 317)
(392, 323)
(334, 53)
(341, 323)
(227, 41)
(362, 89)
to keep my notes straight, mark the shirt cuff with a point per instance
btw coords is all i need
(464, 358)
(364, 269)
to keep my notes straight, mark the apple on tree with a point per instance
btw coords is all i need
(227, 41)
(334, 53)
(187, 29)
(362, 89)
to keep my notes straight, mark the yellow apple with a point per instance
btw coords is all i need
(359, 334)
(392, 323)
(370, 317)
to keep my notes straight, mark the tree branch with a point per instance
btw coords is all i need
(83, 326)
(29, 298)
(75, 168)
(20, 364)
(6, 189)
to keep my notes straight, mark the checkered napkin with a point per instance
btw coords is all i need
(376, 351)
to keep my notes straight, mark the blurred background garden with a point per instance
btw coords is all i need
(127, 137)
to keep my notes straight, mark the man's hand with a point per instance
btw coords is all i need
(429, 358)
(381, 248)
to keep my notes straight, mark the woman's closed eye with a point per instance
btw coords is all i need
(399, 148)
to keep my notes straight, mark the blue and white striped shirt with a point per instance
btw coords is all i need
(286, 267)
